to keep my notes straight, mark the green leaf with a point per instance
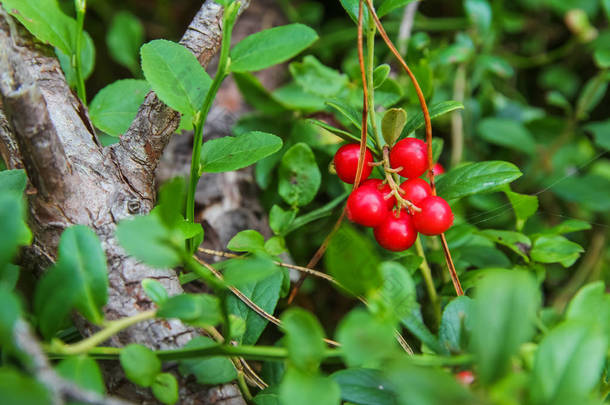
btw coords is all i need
(300, 388)
(392, 123)
(555, 249)
(315, 78)
(417, 120)
(352, 6)
(347, 112)
(83, 371)
(380, 74)
(475, 178)
(299, 175)
(365, 387)
(322, 212)
(425, 385)
(16, 388)
(242, 271)
(602, 58)
(155, 290)
(524, 206)
(479, 13)
(591, 95)
(124, 39)
(11, 311)
(280, 220)
(352, 260)
(591, 305)
(45, 20)
(140, 364)
(568, 226)
(209, 370)
(270, 47)
(165, 388)
(515, 241)
(293, 97)
(589, 190)
(266, 399)
(232, 153)
(264, 293)
(175, 75)
(456, 324)
(601, 133)
(390, 5)
(115, 106)
(196, 309)
(508, 133)
(256, 95)
(147, 239)
(78, 279)
(503, 317)
(304, 339)
(87, 60)
(398, 290)
(247, 241)
(15, 232)
(13, 181)
(358, 332)
(568, 365)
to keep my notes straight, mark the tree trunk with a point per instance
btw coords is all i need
(45, 129)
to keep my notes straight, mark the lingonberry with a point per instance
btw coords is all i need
(435, 216)
(366, 206)
(465, 377)
(396, 233)
(438, 169)
(411, 154)
(385, 189)
(346, 162)
(416, 190)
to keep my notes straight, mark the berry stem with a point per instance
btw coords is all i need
(396, 190)
(428, 125)
(370, 49)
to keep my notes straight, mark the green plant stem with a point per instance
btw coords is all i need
(370, 54)
(427, 275)
(222, 72)
(77, 64)
(110, 329)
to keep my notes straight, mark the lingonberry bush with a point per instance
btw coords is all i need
(480, 279)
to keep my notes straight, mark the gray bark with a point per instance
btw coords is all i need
(74, 180)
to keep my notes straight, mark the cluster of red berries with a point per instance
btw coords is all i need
(372, 203)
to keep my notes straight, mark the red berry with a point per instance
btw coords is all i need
(435, 216)
(412, 155)
(465, 377)
(396, 234)
(384, 188)
(346, 162)
(438, 169)
(416, 190)
(366, 206)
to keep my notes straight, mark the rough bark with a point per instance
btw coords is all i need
(74, 180)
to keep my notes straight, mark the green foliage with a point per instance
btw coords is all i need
(175, 75)
(140, 364)
(304, 339)
(299, 175)
(16, 388)
(77, 281)
(124, 39)
(83, 371)
(270, 47)
(196, 309)
(210, 370)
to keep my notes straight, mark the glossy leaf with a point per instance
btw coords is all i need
(233, 153)
(87, 60)
(300, 388)
(299, 175)
(13, 181)
(554, 249)
(165, 388)
(456, 324)
(115, 106)
(392, 123)
(365, 386)
(270, 47)
(475, 178)
(508, 133)
(195, 309)
(175, 75)
(316, 78)
(416, 121)
(264, 293)
(15, 231)
(388, 6)
(16, 388)
(353, 262)
(155, 290)
(247, 241)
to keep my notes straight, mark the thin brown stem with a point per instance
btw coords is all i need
(428, 126)
(396, 190)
